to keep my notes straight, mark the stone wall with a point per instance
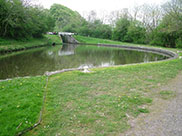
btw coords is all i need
(170, 54)
(69, 39)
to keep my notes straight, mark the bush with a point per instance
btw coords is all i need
(179, 43)
(21, 21)
(121, 29)
(136, 33)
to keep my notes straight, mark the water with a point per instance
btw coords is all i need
(38, 61)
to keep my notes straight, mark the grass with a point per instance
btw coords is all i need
(167, 94)
(20, 104)
(90, 40)
(54, 38)
(9, 44)
(180, 54)
(94, 104)
(101, 102)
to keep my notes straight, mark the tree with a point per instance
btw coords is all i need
(65, 17)
(169, 31)
(20, 20)
(92, 16)
(136, 33)
(121, 29)
(150, 15)
(173, 15)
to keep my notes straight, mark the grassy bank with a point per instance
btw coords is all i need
(95, 104)
(20, 104)
(91, 40)
(101, 102)
(9, 44)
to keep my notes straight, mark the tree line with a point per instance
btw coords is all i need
(147, 24)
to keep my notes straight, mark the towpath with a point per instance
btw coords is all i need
(165, 118)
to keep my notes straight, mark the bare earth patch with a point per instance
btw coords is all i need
(165, 117)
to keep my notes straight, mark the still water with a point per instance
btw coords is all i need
(38, 61)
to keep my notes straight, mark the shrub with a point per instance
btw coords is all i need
(179, 43)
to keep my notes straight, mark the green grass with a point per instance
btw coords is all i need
(99, 103)
(9, 44)
(143, 110)
(180, 53)
(54, 38)
(167, 94)
(90, 40)
(20, 104)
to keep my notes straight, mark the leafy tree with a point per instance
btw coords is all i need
(12, 19)
(99, 30)
(121, 29)
(41, 21)
(136, 33)
(169, 32)
(173, 20)
(19, 20)
(66, 19)
(163, 37)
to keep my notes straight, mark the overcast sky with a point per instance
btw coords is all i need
(98, 5)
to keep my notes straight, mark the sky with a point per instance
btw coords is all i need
(98, 5)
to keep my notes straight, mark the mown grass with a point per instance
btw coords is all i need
(20, 104)
(91, 40)
(101, 102)
(9, 44)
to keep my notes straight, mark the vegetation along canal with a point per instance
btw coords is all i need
(38, 61)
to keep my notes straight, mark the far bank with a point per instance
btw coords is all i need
(10, 45)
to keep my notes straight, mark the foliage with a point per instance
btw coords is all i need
(53, 39)
(96, 29)
(168, 33)
(71, 21)
(179, 43)
(162, 37)
(18, 20)
(136, 33)
(128, 30)
(121, 29)
(66, 19)
(157, 26)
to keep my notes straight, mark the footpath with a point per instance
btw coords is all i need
(165, 118)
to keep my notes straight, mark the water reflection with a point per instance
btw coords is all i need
(37, 62)
(67, 49)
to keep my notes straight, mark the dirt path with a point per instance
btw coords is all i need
(165, 118)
